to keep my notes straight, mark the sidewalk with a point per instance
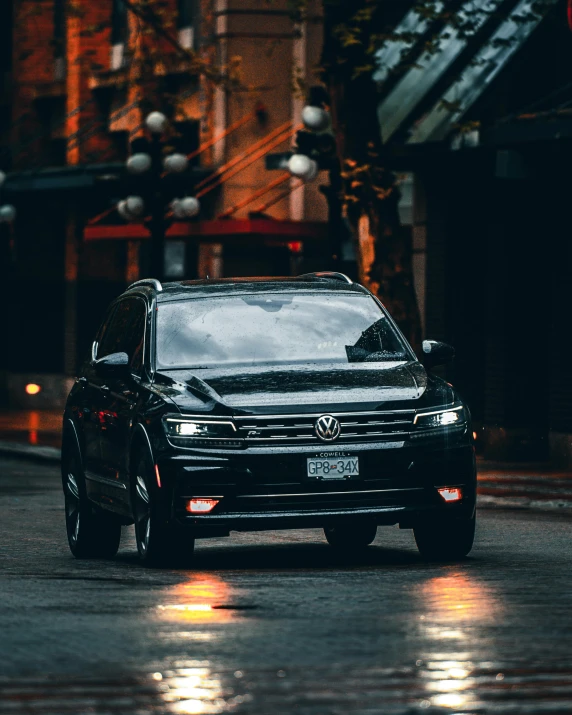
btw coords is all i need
(32, 427)
(33, 434)
(523, 486)
(37, 435)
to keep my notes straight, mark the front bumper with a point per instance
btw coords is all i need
(406, 516)
(268, 488)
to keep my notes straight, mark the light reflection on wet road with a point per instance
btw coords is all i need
(277, 623)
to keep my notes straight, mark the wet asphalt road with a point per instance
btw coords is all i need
(276, 623)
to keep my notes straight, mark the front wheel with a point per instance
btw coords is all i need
(351, 536)
(158, 541)
(91, 533)
(445, 539)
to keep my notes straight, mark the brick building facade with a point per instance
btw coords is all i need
(79, 78)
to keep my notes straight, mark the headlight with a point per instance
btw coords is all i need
(452, 417)
(198, 432)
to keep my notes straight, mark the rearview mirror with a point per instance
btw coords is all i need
(113, 365)
(436, 353)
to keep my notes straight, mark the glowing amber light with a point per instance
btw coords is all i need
(462, 598)
(32, 388)
(451, 494)
(201, 506)
(197, 601)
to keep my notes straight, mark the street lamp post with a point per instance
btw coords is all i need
(161, 181)
(156, 223)
(315, 150)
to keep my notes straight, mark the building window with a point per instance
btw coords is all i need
(6, 29)
(118, 22)
(59, 40)
(118, 33)
(186, 23)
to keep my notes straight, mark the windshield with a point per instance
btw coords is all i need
(274, 329)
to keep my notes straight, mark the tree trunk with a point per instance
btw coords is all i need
(383, 248)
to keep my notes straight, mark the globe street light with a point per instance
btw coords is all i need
(175, 163)
(156, 177)
(131, 208)
(139, 163)
(156, 123)
(315, 118)
(7, 213)
(186, 207)
(135, 206)
(303, 167)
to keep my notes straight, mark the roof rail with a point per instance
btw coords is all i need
(332, 275)
(152, 282)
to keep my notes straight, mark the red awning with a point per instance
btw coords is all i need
(217, 230)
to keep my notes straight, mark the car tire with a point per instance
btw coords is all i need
(92, 534)
(351, 536)
(445, 539)
(159, 543)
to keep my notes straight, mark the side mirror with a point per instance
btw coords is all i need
(436, 353)
(113, 365)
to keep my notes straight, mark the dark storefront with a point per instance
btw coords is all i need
(492, 186)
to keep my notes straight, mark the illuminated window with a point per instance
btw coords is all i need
(118, 22)
(186, 10)
(59, 40)
(59, 28)
(186, 23)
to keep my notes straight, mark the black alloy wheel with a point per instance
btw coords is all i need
(158, 541)
(445, 539)
(91, 533)
(351, 536)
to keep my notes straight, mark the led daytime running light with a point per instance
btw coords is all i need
(440, 418)
(190, 428)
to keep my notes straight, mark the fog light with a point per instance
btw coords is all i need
(32, 388)
(201, 506)
(451, 494)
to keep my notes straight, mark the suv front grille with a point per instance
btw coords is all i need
(299, 429)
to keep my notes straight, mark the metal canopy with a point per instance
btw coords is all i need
(509, 37)
(397, 110)
(215, 230)
(390, 54)
(430, 68)
(54, 179)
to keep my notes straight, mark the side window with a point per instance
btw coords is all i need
(136, 337)
(125, 332)
(101, 332)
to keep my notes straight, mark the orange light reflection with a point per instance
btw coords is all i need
(454, 607)
(196, 601)
(457, 598)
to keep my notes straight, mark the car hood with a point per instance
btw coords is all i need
(293, 388)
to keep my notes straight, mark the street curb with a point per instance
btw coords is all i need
(524, 504)
(17, 450)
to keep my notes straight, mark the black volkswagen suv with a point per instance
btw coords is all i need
(262, 403)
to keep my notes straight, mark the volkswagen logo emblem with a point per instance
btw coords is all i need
(327, 428)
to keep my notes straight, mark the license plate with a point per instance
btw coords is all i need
(333, 467)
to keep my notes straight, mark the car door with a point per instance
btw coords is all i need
(103, 486)
(123, 396)
(92, 404)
